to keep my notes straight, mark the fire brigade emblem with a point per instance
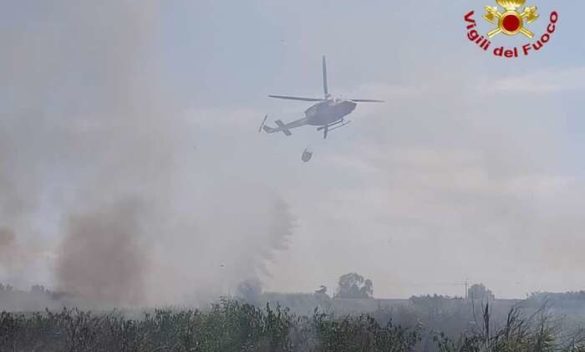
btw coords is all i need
(513, 19)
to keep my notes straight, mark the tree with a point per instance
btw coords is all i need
(353, 285)
(480, 292)
(39, 289)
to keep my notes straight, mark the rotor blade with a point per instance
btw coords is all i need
(325, 87)
(367, 101)
(294, 98)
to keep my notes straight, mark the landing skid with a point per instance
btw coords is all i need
(327, 128)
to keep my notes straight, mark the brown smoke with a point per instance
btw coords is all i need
(102, 258)
(6, 237)
(7, 244)
(13, 255)
(83, 133)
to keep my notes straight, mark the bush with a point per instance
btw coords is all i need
(228, 326)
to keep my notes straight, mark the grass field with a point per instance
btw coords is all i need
(232, 326)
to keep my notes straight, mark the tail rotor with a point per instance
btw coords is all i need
(262, 124)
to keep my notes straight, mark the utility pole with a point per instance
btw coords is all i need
(466, 288)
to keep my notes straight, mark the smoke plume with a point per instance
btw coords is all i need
(7, 243)
(102, 258)
(96, 167)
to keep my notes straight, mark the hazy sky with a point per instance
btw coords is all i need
(472, 169)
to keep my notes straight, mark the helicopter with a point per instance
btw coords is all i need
(327, 114)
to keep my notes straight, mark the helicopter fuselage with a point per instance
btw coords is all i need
(329, 111)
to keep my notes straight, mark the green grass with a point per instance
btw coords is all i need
(230, 326)
(227, 327)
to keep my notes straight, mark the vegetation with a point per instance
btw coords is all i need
(480, 292)
(227, 326)
(232, 326)
(519, 334)
(354, 285)
(420, 324)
